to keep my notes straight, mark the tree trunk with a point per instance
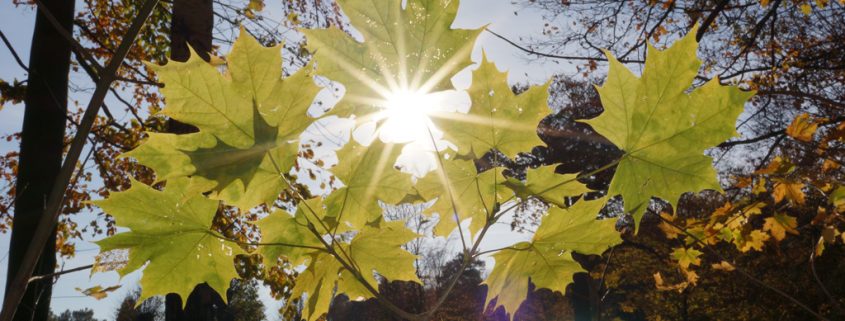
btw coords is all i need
(191, 25)
(42, 142)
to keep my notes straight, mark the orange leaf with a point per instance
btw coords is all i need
(723, 266)
(829, 165)
(779, 224)
(790, 191)
(802, 128)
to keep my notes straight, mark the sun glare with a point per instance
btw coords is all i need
(406, 115)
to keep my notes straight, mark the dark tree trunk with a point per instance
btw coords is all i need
(173, 308)
(205, 304)
(41, 149)
(191, 25)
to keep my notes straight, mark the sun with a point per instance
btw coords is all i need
(406, 116)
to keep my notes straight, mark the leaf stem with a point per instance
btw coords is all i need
(442, 170)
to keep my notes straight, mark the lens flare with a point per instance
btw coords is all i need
(406, 117)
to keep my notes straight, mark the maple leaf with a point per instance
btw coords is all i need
(802, 128)
(412, 49)
(373, 249)
(789, 190)
(663, 130)
(249, 122)
(498, 118)
(379, 249)
(170, 232)
(461, 192)
(779, 224)
(280, 229)
(547, 259)
(318, 281)
(753, 240)
(686, 257)
(668, 229)
(98, 292)
(543, 183)
(369, 175)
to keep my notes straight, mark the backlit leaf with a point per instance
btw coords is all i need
(498, 118)
(369, 176)
(249, 122)
(663, 130)
(411, 49)
(547, 260)
(462, 192)
(281, 228)
(379, 249)
(170, 232)
(545, 184)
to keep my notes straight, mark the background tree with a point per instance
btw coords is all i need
(42, 145)
(129, 310)
(94, 33)
(76, 315)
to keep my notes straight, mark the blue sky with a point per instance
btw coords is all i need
(17, 23)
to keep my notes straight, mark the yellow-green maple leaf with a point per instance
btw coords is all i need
(170, 232)
(547, 260)
(281, 228)
(686, 257)
(372, 250)
(369, 176)
(543, 183)
(249, 122)
(318, 282)
(411, 49)
(379, 249)
(463, 192)
(498, 118)
(663, 130)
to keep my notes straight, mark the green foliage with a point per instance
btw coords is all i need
(369, 175)
(498, 118)
(250, 118)
(249, 123)
(545, 184)
(171, 234)
(461, 192)
(663, 129)
(318, 282)
(282, 228)
(403, 49)
(547, 259)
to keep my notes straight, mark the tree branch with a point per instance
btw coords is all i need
(547, 55)
(12, 50)
(710, 18)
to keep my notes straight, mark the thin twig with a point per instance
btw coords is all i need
(50, 275)
(819, 280)
(12, 50)
(548, 55)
